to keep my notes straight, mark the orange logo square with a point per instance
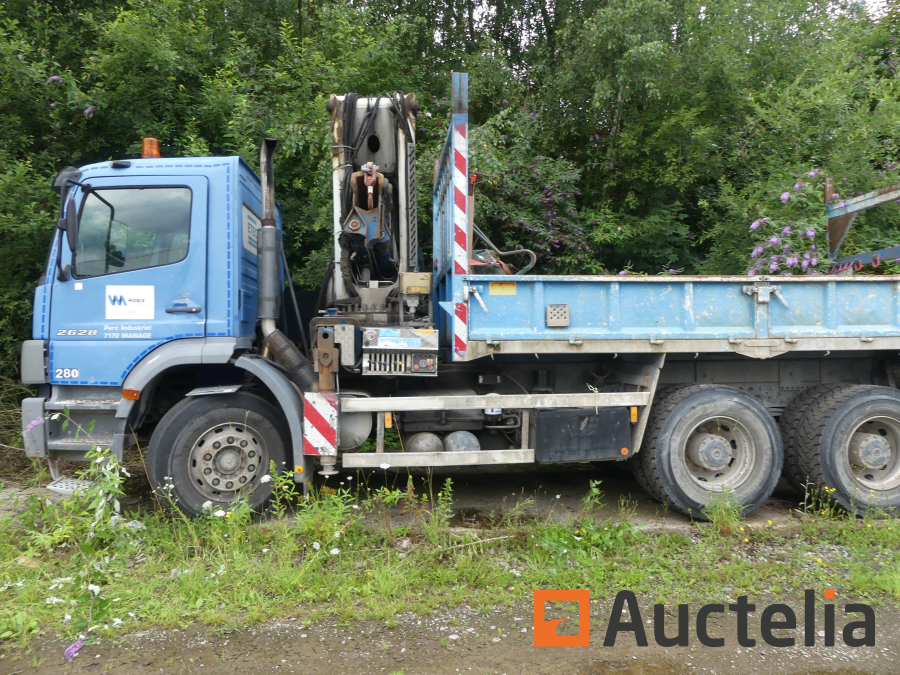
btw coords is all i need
(545, 631)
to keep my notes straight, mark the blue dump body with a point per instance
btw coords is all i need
(685, 308)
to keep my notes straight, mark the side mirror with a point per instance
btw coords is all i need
(71, 223)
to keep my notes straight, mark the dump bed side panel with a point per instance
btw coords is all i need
(735, 309)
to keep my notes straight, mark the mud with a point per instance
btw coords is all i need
(459, 640)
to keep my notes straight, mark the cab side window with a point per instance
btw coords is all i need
(123, 229)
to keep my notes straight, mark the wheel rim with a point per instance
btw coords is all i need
(720, 454)
(873, 453)
(227, 459)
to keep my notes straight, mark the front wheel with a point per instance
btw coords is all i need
(705, 439)
(216, 449)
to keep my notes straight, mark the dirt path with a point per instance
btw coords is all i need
(458, 640)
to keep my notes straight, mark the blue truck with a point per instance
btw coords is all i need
(166, 310)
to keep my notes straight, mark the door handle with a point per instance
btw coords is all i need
(183, 310)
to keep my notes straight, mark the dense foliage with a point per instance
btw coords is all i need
(609, 135)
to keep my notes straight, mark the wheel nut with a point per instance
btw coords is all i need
(207, 471)
(207, 457)
(251, 468)
(217, 445)
(251, 454)
(215, 481)
(243, 444)
(229, 485)
(242, 480)
(231, 440)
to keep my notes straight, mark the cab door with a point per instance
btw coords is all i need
(137, 280)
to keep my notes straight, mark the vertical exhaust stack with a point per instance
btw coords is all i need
(268, 244)
(269, 280)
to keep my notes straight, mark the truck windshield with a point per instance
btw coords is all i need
(122, 229)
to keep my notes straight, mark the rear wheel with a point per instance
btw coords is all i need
(789, 423)
(849, 446)
(216, 449)
(704, 439)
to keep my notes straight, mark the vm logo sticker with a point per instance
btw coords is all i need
(129, 302)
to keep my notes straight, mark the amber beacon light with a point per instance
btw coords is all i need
(149, 148)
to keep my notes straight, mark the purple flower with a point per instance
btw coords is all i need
(74, 648)
(53, 78)
(798, 185)
(755, 224)
(812, 248)
(533, 115)
(756, 252)
(814, 173)
(841, 204)
(596, 137)
(835, 196)
(774, 241)
(814, 262)
(611, 165)
(785, 196)
(34, 423)
(89, 111)
(791, 261)
(804, 264)
(673, 271)
(787, 246)
(787, 230)
(623, 273)
(811, 233)
(752, 272)
(505, 101)
(773, 267)
(53, 105)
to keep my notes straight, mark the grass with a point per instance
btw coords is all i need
(335, 555)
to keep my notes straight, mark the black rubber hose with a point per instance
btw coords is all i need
(287, 272)
(324, 288)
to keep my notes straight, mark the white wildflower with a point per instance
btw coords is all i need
(207, 505)
(384, 467)
(219, 513)
(93, 588)
(53, 600)
(354, 507)
(59, 582)
(334, 551)
(116, 622)
(265, 550)
(135, 525)
(349, 477)
(337, 535)
(67, 617)
(132, 615)
(265, 479)
(317, 545)
(558, 496)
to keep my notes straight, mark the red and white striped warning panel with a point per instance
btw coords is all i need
(460, 233)
(320, 424)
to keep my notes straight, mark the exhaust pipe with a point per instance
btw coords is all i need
(268, 245)
(269, 280)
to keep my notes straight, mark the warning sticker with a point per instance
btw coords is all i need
(502, 288)
(251, 225)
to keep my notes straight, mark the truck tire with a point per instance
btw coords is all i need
(726, 429)
(792, 418)
(216, 449)
(849, 446)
